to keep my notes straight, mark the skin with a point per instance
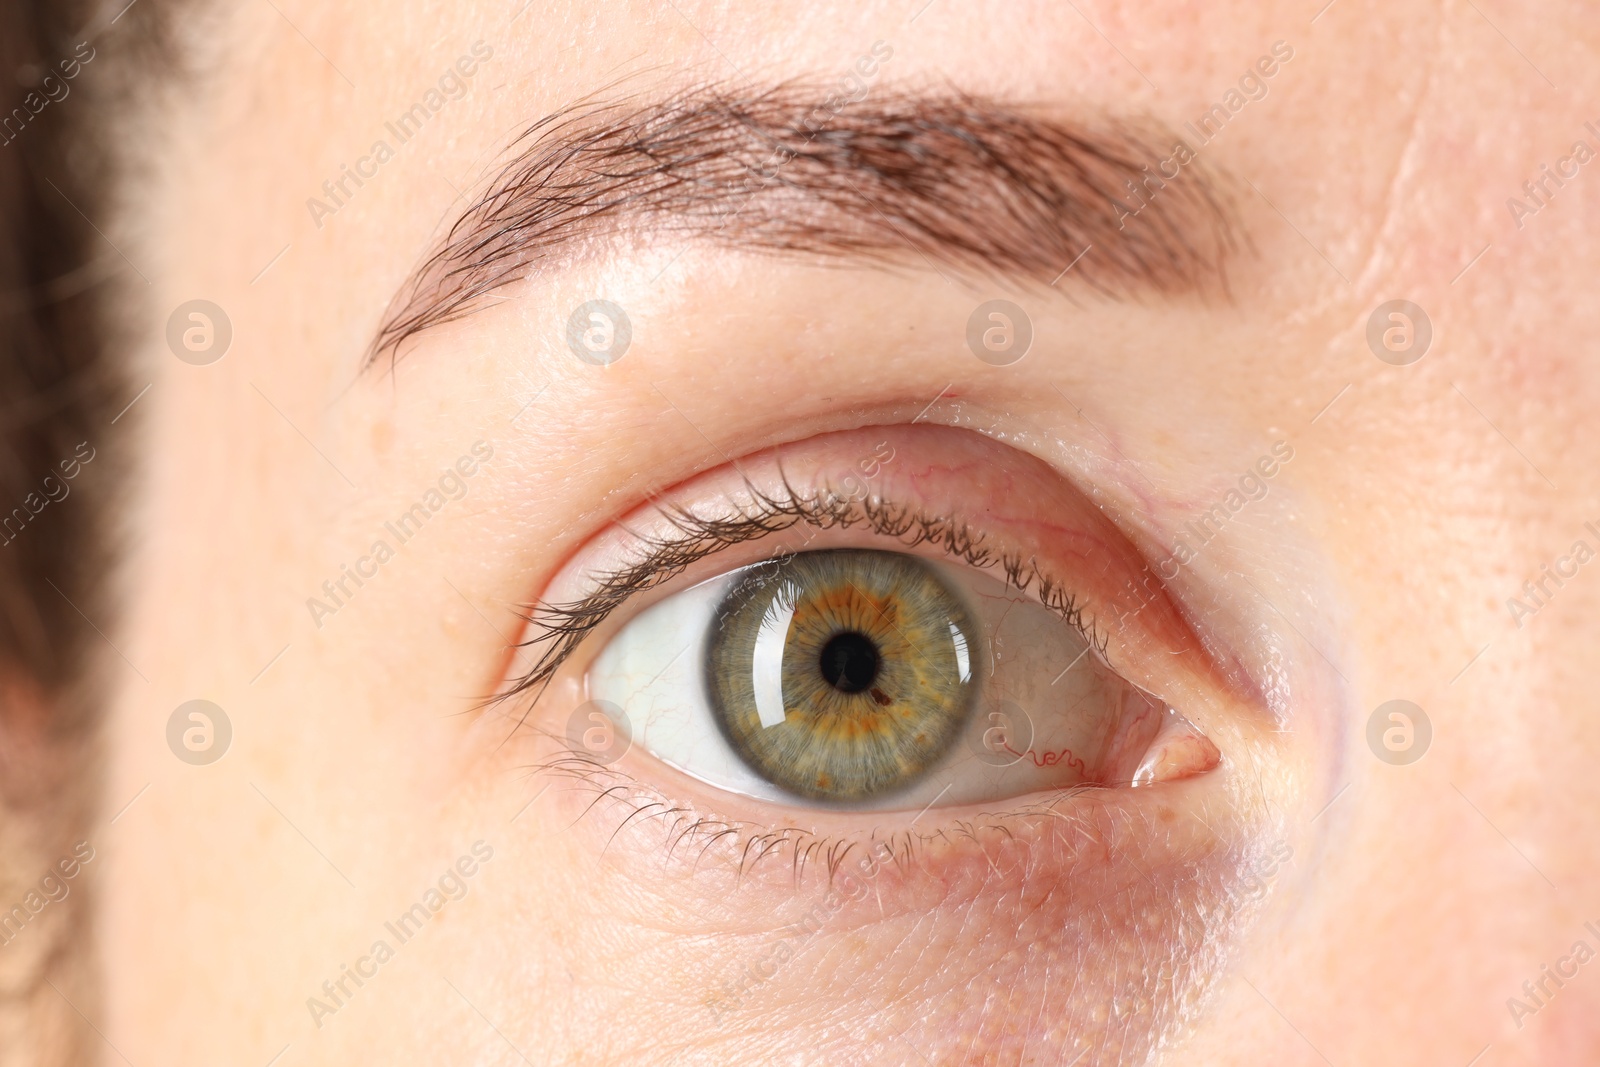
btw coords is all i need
(1398, 906)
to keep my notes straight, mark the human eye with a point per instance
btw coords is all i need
(867, 677)
(857, 635)
(896, 701)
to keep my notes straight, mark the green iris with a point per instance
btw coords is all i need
(844, 674)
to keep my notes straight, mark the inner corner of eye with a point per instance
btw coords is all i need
(874, 679)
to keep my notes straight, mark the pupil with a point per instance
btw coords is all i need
(850, 662)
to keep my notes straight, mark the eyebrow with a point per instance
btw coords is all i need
(953, 180)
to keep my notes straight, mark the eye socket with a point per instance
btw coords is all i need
(865, 678)
(1053, 593)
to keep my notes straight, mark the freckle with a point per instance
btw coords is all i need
(1167, 815)
(382, 437)
(450, 622)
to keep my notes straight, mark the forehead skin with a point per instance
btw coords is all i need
(1377, 167)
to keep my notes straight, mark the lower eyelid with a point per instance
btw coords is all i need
(1131, 894)
(693, 833)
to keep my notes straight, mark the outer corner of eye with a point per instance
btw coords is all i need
(878, 679)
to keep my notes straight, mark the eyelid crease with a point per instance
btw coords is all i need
(563, 627)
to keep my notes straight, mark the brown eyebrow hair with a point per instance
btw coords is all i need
(951, 178)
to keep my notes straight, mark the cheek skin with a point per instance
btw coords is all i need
(1089, 920)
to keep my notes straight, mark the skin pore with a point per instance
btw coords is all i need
(1298, 900)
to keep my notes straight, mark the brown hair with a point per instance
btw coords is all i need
(58, 396)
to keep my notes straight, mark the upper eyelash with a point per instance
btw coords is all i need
(563, 627)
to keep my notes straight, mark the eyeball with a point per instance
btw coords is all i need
(868, 678)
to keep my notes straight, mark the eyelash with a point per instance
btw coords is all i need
(644, 802)
(561, 628)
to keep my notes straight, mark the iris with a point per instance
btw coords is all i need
(844, 674)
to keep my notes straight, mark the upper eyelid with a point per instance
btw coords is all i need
(566, 626)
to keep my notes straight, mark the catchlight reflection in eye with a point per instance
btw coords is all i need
(841, 675)
(872, 679)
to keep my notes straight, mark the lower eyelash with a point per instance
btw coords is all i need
(561, 628)
(803, 847)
